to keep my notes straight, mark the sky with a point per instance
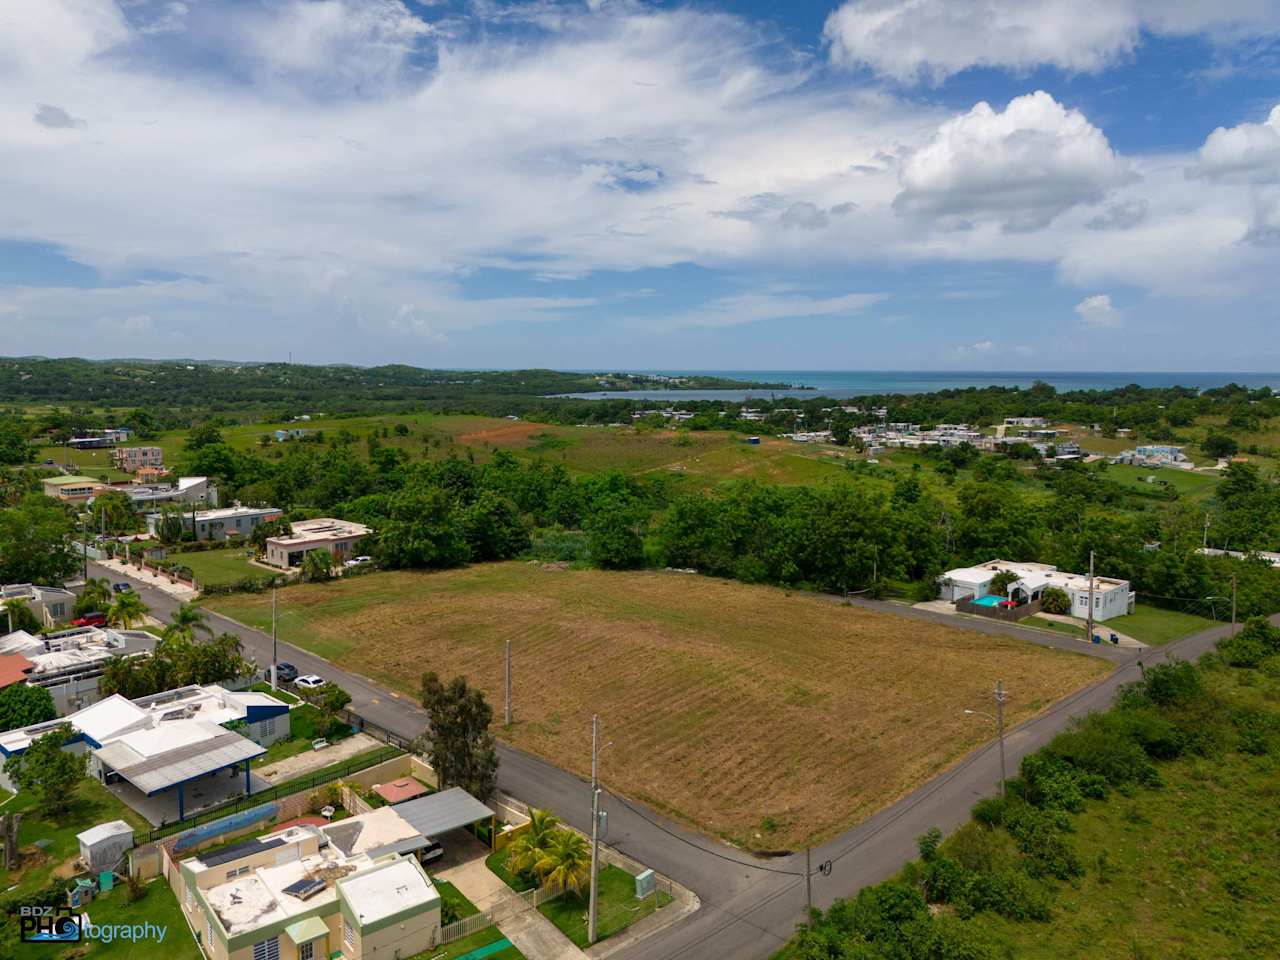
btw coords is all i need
(619, 184)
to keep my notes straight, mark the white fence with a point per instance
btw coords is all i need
(513, 904)
(464, 928)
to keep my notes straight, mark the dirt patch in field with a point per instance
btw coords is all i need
(508, 435)
(767, 717)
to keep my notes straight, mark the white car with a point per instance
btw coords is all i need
(309, 681)
(357, 561)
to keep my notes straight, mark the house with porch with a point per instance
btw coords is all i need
(157, 752)
(1109, 597)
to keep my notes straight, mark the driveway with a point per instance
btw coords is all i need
(750, 906)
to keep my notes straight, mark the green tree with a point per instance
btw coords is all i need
(526, 851)
(204, 435)
(18, 616)
(494, 528)
(22, 705)
(1219, 445)
(96, 595)
(460, 746)
(127, 609)
(14, 448)
(113, 513)
(317, 566)
(48, 772)
(36, 542)
(330, 700)
(566, 861)
(421, 530)
(185, 621)
(613, 535)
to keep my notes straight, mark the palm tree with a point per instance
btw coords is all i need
(186, 620)
(95, 595)
(528, 848)
(566, 864)
(127, 610)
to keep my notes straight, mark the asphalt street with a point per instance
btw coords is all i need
(750, 906)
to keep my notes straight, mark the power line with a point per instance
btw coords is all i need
(698, 846)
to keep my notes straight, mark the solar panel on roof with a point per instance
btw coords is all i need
(239, 850)
(305, 889)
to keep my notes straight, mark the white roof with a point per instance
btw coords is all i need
(322, 528)
(104, 831)
(386, 889)
(108, 718)
(1033, 576)
(187, 482)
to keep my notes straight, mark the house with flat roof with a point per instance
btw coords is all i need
(351, 889)
(1110, 597)
(156, 750)
(132, 459)
(72, 489)
(70, 663)
(51, 605)
(236, 523)
(188, 490)
(339, 538)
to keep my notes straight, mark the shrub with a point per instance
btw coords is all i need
(1039, 835)
(989, 811)
(1055, 600)
(928, 843)
(1103, 746)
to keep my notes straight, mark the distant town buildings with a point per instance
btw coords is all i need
(132, 459)
(1155, 456)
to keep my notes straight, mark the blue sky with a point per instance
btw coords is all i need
(900, 184)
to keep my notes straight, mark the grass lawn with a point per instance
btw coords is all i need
(685, 671)
(1185, 871)
(460, 948)
(89, 463)
(92, 804)
(1057, 626)
(497, 863)
(1157, 626)
(158, 907)
(213, 567)
(449, 894)
(616, 909)
(306, 724)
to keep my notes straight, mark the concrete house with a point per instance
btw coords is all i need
(51, 605)
(70, 663)
(1111, 597)
(133, 459)
(72, 489)
(227, 522)
(153, 751)
(339, 538)
(350, 889)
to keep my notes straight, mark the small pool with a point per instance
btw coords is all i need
(990, 600)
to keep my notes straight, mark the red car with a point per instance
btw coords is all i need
(90, 620)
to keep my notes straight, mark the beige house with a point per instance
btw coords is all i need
(339, 538)
(74, 489)
(132, 459)
(346, 889)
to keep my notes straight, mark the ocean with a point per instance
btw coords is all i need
(857, 383)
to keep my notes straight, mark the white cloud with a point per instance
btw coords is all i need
(1248, 153)
(768, 305)
(1098, 311)
(1021, 167)
(915, 39)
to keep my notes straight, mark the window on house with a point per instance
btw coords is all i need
(268, 727)
(208, 931)
(189, 904)
(348, 934)
(307, 951)
(267, 949)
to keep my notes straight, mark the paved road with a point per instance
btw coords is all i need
(749, 906)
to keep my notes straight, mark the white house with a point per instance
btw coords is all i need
(1111, 597)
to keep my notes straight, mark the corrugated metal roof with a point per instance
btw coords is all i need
(180, 764)
(441, 812)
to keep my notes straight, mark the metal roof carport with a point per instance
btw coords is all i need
(444, 811)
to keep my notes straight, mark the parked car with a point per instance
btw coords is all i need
(48, 463)
(431, 852)
(286, 673)
(90, 620)
(121, 587)
(309, 681)
(357, 561)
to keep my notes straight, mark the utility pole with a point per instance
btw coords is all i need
(508, 703)
(1000, 699)
(274, 648)
(1206, 531)
(84, 543)
(1089, 636)
(595, 827)
(1233, 604)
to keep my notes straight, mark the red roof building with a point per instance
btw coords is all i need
(14, 668)
(398, 791)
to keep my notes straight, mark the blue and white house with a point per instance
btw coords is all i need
(168, 744)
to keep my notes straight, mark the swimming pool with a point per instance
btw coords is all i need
(990, 600)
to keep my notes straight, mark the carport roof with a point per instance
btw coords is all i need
(144, 761)
(441, 812)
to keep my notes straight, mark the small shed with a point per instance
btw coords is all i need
(398, 791)
(103, 846)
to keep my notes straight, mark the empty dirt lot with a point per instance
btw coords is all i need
(770, 718)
